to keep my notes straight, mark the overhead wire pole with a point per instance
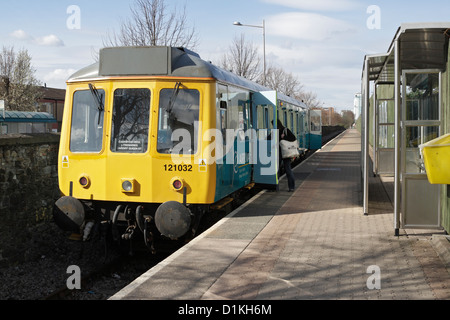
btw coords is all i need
(264, 41)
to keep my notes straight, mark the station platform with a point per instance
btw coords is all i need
(312, 244)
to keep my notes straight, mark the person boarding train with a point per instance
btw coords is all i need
(288, 151)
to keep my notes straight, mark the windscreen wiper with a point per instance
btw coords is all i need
(98, 100)
(173, 98)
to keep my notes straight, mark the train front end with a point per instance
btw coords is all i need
(131, 145)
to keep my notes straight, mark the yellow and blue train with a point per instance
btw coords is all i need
(153, 136)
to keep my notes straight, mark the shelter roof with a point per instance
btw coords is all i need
(25, 116)
(421, 46)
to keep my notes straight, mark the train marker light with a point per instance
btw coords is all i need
(128, 185)
(177, 183)
(84, 181)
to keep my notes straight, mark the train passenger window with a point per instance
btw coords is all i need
(264, 121)
(315, 122)
(248, 116)
(178, 121)
(291, 118)
(130, 122)
(295, 122)
(223, 125)
(86, 133)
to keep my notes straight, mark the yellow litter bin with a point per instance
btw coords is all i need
(436, 155)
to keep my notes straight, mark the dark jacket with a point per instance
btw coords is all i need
(286, 134)
(283, 133)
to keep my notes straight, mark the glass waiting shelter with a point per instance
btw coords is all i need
(402, 96)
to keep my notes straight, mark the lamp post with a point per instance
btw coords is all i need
(264, 40)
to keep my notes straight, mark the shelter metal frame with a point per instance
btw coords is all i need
(418, 47)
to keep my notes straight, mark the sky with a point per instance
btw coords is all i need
(321, 42)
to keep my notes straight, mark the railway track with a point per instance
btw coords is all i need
(100, 284)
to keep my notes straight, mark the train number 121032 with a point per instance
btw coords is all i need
(178, 167)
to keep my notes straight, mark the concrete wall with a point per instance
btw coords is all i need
(28, 186)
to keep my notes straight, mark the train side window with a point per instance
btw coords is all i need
(223, 105)
(86, 134)
(248, 116)
(130, 121)
(295, 122)
(223, 119)
(264, 121)
(291, 117)
(315, 122)
(266, 118)
(179, 111)
(259, 117)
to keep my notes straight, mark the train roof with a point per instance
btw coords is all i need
(164, 61)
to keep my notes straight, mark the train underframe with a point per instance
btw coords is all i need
(127, 222)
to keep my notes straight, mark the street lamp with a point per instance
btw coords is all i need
(236, 23)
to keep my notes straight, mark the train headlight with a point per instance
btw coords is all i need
(128, 185)
(177, 183)
(84, 181)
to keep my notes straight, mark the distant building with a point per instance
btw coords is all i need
(47, 116)
(52, 102)
(26, 122)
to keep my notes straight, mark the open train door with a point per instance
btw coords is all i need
(315, 138)
(265, 144)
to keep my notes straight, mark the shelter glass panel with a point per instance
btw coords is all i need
(386, 111)
(415, 136)
(386, 136)
(422, 96)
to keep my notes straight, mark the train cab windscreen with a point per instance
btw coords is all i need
(178, 121)
(86, 135)
(130, 122)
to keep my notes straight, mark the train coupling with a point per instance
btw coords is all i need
(129, 232)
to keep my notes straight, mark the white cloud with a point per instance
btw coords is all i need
(308, 26)
(48, 41)
(332, 71)
(58, 75)
(318, 5)
(20, 34)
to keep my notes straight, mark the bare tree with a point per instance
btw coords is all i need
(282, 81)
(242, 59)
(309, 98)
(152, 25)
(18, 85)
